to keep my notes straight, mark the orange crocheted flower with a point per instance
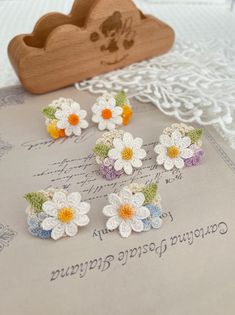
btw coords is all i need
(127, 114)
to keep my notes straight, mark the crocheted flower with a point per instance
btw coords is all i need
(107, 169)
(126, 212)
(64, 117)
(172, 150)
(197, 157)
(65, 213)
(34, 225)
(153, 221)
(71, 118)
(127, 153)
(106, 113)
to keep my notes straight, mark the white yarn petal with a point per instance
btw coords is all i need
(49, 223)
(62, 124)
(114, 199)
(60, 199)
(113, 223)
(117, 120)
(166, 140)
(95, 118)
(137, 143)
(77, 130)
(82, 220)
(109, 211)
(82, 114)
(136, 163)
(125, 229)
(142, 213)
(83, 124)
(75, 107)
(68, 131)
(137, 225)
(138, 199)
(118, 165)
(83, 207)
(161, 158)
(128, 169)
(102, 125)
(61, 115)
(176, 136)
(71, 229)
(125, 195)
(179, 163)
(50, 208)
(184, 143)
(156, 222)
(159, 148)
(58, 231)
(110, 125)
(128, 139)
(74, 199)
(117, 111)
(140, 154)
(169, 164)
(114, 154)
(186, 153)
(118, 143)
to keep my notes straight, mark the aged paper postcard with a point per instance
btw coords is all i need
(185, 267)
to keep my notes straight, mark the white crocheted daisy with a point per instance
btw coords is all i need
(126, 212)
(172, 150)
(66, 213)
(127, 153)
(71, 118)
(106, 113)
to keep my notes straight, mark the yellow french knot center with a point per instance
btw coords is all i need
(127, 154)
(173, 152)
(66, 215)
(126, 211)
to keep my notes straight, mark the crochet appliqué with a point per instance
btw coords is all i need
(194, 82)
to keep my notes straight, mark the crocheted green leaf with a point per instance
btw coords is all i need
(36, 200)
(121, 98)
(101, 150)
(195, 135)
(149, 192)
(49, 112)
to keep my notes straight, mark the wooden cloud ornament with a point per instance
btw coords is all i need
(98, 36)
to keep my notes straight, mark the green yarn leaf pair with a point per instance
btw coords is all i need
(49, 112)
(101, 150)
(149, 192)
(121, 98)
(36, 200)
(195, 135)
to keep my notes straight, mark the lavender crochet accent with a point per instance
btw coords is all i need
(107, 169)
(196, 158)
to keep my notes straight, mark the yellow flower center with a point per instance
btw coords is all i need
(73, 119)
(127, 154)
(126, 212)
(173, 152)
(65, 215)
(106, 113)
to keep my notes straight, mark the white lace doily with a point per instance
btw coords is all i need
(194, 83)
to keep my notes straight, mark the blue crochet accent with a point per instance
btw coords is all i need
(34, 226)
(153, 221)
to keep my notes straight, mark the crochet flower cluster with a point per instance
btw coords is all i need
(64, 117)
(136, 208)
(179, 146)
(117, 152)
(55, 213)
(111, 110)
